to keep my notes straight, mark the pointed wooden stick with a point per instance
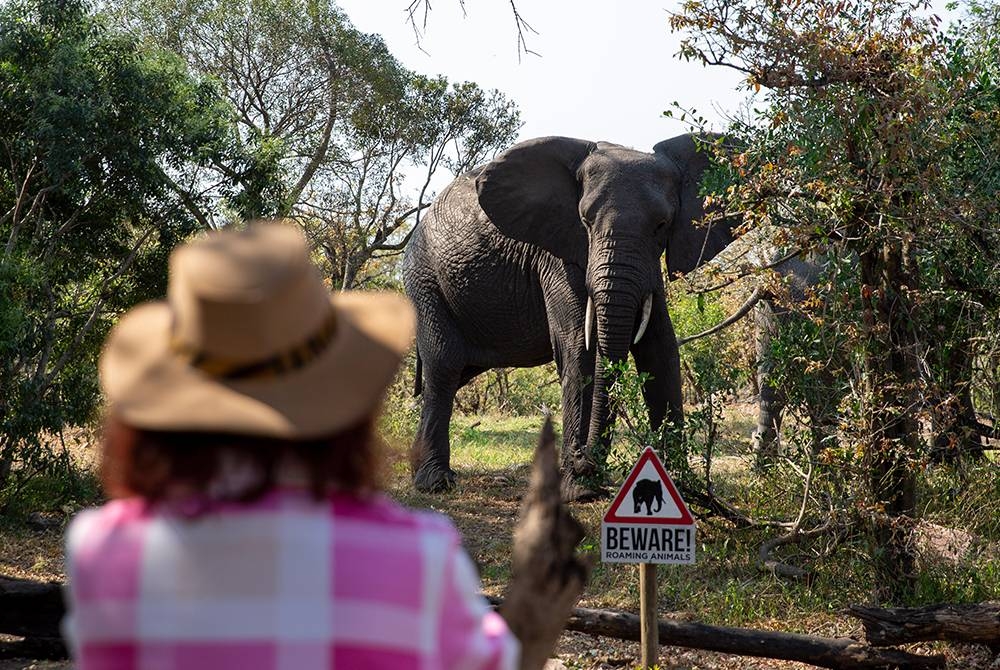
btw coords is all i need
(548, 576)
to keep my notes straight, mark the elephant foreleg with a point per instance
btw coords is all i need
(772, 399)
(576, 370)
(657, 355)
(565, 305)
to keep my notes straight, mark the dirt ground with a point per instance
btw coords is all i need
(484, 509)
(38, 555)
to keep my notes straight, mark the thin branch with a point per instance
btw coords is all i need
(739, 314)
(96, 310)
(399, 246)
(16, 210)
(188, 202)
(418, 11)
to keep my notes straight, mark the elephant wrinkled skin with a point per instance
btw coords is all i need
(552, 251)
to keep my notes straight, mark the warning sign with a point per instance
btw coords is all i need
(648, 521)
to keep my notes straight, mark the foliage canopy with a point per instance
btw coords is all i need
(93, 122)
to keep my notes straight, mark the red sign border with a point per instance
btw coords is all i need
(685, 519)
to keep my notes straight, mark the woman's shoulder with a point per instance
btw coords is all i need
(380, 508)
(111, 534)
(100, 521)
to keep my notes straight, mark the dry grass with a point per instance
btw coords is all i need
(492, 455)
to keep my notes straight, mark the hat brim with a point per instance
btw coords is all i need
(149, 386)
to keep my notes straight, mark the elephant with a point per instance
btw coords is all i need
(644, 493)
(953, 432)
(798, 274)
(552, 251)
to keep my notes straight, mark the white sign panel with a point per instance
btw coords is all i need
(648, 521)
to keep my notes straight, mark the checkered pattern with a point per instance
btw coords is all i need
(284, 583)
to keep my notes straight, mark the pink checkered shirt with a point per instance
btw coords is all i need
(283, 583)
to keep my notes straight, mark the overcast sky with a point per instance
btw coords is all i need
(606, 71)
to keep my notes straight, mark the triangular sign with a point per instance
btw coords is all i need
(649, 496)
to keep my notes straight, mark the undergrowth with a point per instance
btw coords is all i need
(726, 585)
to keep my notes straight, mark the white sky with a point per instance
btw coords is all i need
(607, 68)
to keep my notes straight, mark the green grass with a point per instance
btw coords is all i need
(493, 443)
(726, 586)
(492, 456)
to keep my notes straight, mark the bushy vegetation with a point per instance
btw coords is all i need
(873, 143)
(130, 126)
(92, 121)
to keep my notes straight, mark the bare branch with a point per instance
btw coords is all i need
(418, 11)
(96, 310)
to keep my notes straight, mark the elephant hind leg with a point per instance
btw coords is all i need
(430, 454)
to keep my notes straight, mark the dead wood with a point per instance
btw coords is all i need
(29, 608)
(837, 653)
(36, 648)
(713, 505)
(767, 562)
(977, 623)
(547, 575)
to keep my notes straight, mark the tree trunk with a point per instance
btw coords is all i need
(957, 432)
(30, 609)
(819, 651)
(978, 624)
(37, 648)
(893, 400)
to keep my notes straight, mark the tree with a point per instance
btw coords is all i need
(329, 122)
(92, 123)
(870, 143)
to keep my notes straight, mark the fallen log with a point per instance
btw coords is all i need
(836, 653)
(977, 623)
(29, 608)
(36, 648)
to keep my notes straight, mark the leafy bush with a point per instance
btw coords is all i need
(512, 392)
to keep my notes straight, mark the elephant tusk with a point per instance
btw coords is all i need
(588, 323)
(647, 308)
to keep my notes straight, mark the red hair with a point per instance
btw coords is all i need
(151, 464)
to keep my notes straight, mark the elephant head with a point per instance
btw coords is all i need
(611, 211)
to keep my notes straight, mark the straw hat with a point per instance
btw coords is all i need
(250, 341)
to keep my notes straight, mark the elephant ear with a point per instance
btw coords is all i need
(531, 193)
(689, 245)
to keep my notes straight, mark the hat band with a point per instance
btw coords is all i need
(279, 364)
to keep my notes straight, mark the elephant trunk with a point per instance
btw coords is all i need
(616, 312)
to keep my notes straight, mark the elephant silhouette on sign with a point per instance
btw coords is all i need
(644, 493)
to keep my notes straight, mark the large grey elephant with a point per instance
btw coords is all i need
(552, 251)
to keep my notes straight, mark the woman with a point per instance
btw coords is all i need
(245, 528)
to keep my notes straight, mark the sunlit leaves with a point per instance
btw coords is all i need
(92, 122)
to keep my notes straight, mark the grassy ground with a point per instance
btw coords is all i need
(726, 586)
